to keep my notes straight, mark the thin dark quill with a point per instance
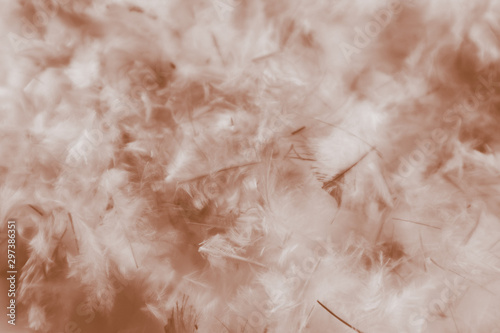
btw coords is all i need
(227, 328)
(340, 319)
(415, 222)
(59, 242)
(350, 133)
(39, 211)
(292, 148)
(217, 171)
(74, 233)
(463, 277)
(341, 174)
(131, 250)
(298, 130)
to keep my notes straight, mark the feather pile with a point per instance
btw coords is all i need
(252, 166)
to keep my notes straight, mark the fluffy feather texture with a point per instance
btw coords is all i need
(212, 166)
